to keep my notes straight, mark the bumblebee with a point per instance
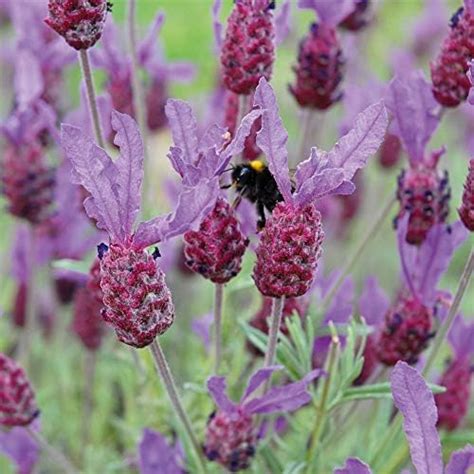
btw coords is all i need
(254, 182)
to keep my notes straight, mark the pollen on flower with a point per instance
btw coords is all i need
(137, 301)
(288, 251)
(79, 22)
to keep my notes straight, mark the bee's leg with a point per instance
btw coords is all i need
(237, 201)
(226, 186)
(261, 216)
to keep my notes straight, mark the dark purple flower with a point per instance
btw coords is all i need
(231, 435)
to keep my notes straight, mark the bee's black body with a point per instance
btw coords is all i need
(255, 182)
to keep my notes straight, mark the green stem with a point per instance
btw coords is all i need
(445, 327)
(91, 96)
(277, 311)
(164, 371)
(359, 251)
(321, 409)
(218, 299)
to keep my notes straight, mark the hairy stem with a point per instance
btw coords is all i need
(277, 311)
(359, 251)
(164, 371)
(321, 414)
(52, 452)
(218, 298)
(446, 326)
(91, 96)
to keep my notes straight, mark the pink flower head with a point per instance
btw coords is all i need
(470, 75)
(17, 399)
(231, 435)
(285, 262)
(157, 456)
(116, 62)
(79, 22)
(137, 301)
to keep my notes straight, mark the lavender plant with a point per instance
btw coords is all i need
(292, 328)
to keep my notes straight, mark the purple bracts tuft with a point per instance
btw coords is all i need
(320, 68)
(215, 250)
(288, 251)
(448, 72)
(406, 332)
(79, 22)
(466, 211)
(248, 50)
(137, 301)
(231, 439)
(17, 399)
(424, 194)
(453, 404)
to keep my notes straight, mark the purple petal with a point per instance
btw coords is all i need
(178, 71)
(374, 302)
(193, 205)
(214, 136)
(282, 22)
(435, 255)
(284, 398)
(330, 12)
(130, 169)
(217, 387)
(217, 25)
(146, 48)
(461, 337)
(237, 145)
(258, 378)
(18, 446)
(353, 150)
(415, 112)
(272, 138)
(156, 456)
(202, 328)
(93, 169)
(29, 82)
(415, 400)
(342, 304)
(183, 128)
(110, 57)
(461, 461)
(353, 466)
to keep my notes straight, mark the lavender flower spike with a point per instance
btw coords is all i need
(470, 75)
(416, 403)
(231, 435)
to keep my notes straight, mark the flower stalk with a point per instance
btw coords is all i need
(53, 453)
(218, 300)
(164, 372)
(91, 96)
(277, 312)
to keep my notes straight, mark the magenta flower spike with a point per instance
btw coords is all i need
(319, 71)
(137, 301)
(423, 190)
(248, 49)
(470, 75)
(453, 405)
(448, 71)
(79, 22)
(408, 324)
(373, 305)
(216, 249)
(466, 210)
(415, 401)
(232, 432)
(17, 399)
(290, 244)
(157, 456)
